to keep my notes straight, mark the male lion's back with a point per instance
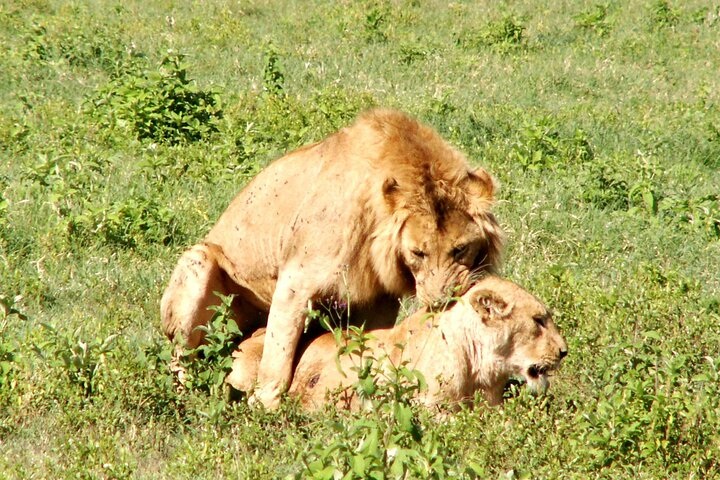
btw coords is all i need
(320, 205)
(301, 205)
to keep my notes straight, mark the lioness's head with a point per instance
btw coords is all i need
(449, 237)
(518, 329)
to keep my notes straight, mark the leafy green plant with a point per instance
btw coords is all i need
(208, 364)
(77, 45)
(130, 223)
(649, 406)
(80, 360)
(99, 47)
(273, 72)
(413, 51)
(701, 213)
(3, 215)
(163, 105)
(594, 19)
(605, 187)
(706, 15)
(643, 196)
(36, 44)
(272, 124)
(504, 35)
(387, 439)
(540, 145)
(375, 21)
(506, 31)
(664, 15)
(8, 348)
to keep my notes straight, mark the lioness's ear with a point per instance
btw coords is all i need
(391, 191)
(490, 305)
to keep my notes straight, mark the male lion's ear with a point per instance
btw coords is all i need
(480, 187)
(490, 305)
(391, 191)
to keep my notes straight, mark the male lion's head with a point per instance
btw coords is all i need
(448, 236)
(517, 330)
(443, 232)
(436, 230)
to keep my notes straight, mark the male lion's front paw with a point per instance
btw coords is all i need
(268, 396)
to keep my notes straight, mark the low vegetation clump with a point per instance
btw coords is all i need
(162, 105)
(125, 130)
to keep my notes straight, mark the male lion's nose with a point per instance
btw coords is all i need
(563, 353)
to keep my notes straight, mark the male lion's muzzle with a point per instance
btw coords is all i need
(439, 291)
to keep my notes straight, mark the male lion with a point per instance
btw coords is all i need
(496, 330)
(378, 210)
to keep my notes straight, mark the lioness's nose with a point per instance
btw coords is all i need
(563, 353)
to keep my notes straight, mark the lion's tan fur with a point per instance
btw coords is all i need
(380, 209)
(495, 330)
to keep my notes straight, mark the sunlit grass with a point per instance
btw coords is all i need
(600, 120)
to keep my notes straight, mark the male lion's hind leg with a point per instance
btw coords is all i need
(184, 305)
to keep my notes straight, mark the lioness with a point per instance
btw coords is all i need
(496, 330)
(378, 210)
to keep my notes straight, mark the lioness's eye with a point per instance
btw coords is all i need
(418, 253)
(540, 321)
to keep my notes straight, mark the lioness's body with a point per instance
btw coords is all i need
(378, 210)
(494, 331)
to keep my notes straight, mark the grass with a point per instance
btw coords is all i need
(126, 128)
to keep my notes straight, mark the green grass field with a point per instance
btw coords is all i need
(127, 127)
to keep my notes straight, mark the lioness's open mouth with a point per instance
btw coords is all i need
(537, 377)
(535, 371)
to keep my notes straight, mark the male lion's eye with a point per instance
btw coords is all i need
(418, 253)
(459, 252)
(540, 321)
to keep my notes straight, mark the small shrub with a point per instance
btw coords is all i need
(605, 187)
(130, 223)
(8, 348)
(208, 364)
(78, 45)
(36, 45)
(273, 72)
(701, 213)
(540, 145)
(375, 21)
(161, 105)
(643, 196)
(14, 134)
(637, 179)
(706, 15)
(504, 35)
(664, 15)
(4, 221)
(272, 124)
(412, 51)
(594, 19)
(79, 359)
(650, 404)
(507, 31)
(386, 440)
